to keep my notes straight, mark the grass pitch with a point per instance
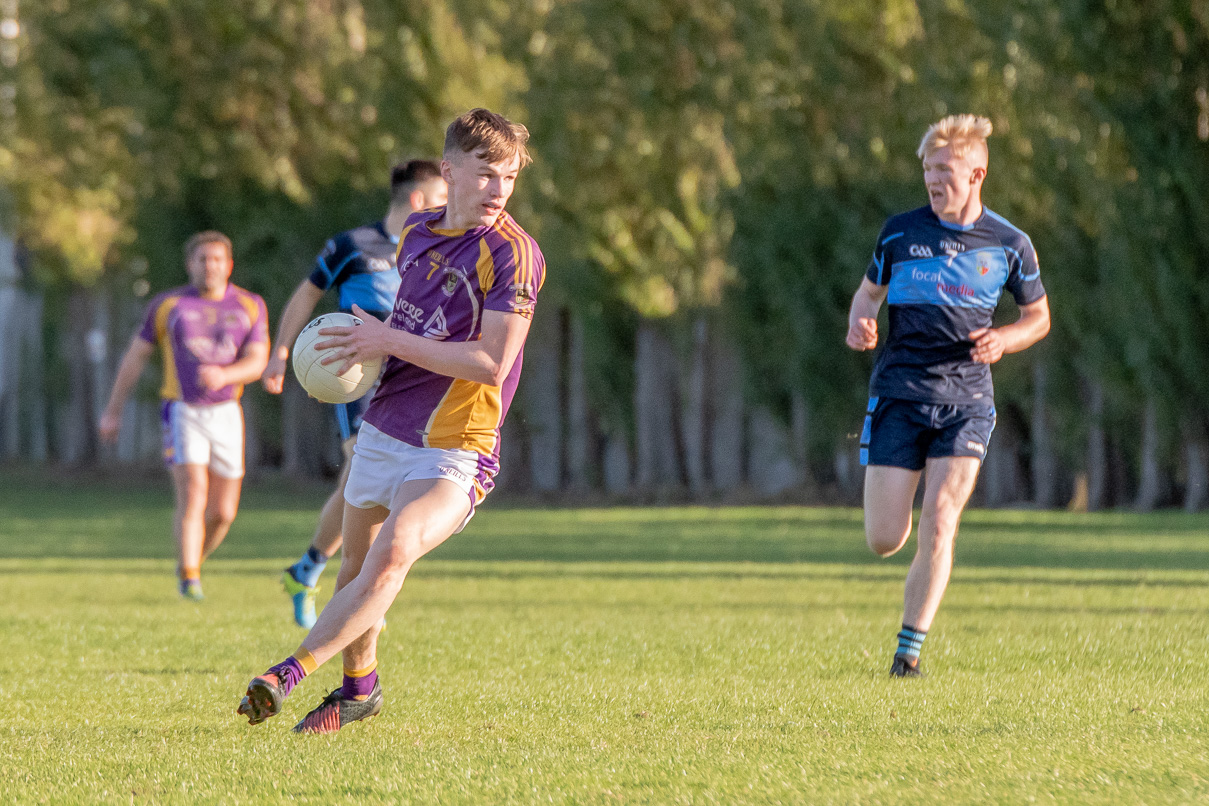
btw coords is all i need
(610, 656)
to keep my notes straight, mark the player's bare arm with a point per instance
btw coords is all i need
(991, 344)
(862, 315)
(129, 370)
(293, 319)
(488, 360)
(246, 369)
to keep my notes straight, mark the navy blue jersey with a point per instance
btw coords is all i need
(944, 282)
(360, 264)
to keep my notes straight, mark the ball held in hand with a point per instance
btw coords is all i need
(320, 380)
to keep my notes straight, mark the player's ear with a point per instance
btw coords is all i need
(416, 200)
(977, 175)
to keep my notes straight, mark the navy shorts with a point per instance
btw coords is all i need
(906, 433)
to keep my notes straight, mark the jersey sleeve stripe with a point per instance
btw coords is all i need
(892, 237)
(523, 250)
(510, 238)
(249, 305)
(1011, 226)
(485, 267)
(402, 237)
(344, 262)
(171, 388)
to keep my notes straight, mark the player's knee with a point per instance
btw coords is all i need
(938, 547)
(220, 516)
(885, 542)
(403, 553)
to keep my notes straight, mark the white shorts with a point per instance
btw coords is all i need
(382, 463)
(204, 435)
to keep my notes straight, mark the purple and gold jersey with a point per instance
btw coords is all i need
(448, 279)
(191, 330)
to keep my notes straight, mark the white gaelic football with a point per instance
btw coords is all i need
(320, 380)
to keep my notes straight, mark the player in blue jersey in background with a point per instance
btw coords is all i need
(360, 265)
(942, 269)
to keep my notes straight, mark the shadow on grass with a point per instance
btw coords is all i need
(53, 518)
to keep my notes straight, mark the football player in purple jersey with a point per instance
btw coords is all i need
(359, 265)
(428, 449)
(214, 337)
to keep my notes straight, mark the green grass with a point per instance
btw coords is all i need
(610, 656)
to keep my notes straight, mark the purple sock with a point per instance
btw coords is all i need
(358, 688)
(290, 672)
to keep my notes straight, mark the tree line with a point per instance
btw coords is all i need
(709, 179)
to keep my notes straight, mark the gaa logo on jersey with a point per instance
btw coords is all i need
(919, 250)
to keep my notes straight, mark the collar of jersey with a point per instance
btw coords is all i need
(961, 227)
(451, 232)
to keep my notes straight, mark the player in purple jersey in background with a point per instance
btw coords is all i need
(359, 265)
(214, 337)
(428, 449)
(942, 268)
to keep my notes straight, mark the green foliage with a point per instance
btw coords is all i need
(271, 119)
(733, 158)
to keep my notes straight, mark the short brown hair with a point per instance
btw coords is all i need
(488, 136)
(407, 176)
(203, 238)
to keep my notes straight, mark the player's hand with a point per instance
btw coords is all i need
(212, 377)
(109, 425)
(273, 376)
(862, 335)
(988, 345)
(355, 345)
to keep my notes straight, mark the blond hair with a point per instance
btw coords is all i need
(489, 136)
(963, 132)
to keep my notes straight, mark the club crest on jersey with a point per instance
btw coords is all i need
(450, 283)
(523, 298)
(983, 266)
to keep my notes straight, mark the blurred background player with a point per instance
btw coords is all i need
(360, 265)
(428, 451)
(942, 268)
(214, 337)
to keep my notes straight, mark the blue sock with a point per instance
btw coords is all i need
(308, 569)
(910, 641)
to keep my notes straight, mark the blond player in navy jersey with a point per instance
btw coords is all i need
(941, 268)
(428, 449)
